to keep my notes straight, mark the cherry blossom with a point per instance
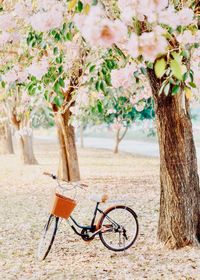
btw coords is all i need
(111, 111)
(7, 22)
(4, 38)
(132, 46)
(46, 21)
(98, 31)
(38, 69)
(22, 10)
(123, 77)
(82, 98)
(152, 44)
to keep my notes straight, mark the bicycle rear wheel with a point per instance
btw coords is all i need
(47, 237)
(119, 228)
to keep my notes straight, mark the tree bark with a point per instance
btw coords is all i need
(68, 158)
(119, 138)
(180, 194)
(6, 143)
(26, 149)
(117, 141)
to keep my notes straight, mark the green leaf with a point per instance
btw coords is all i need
(97, 85)
(160, 67)
(185, 54)
(55, 50)
(100, 108)
(92, 68)
(57, 101)
(143, 70)
(176, 69)
(61, 82)
(102, 86)
(80, 6)
(166, 89)
(150, 65)
(185, 76)
(175, 89)
(177, 57)
(57, 87)
(192, 84)
(69, 36)
(3, 84)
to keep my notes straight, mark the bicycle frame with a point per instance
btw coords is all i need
(92, 227)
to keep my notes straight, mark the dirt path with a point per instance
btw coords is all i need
(23, 211)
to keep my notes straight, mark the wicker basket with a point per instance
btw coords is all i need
(62, 206)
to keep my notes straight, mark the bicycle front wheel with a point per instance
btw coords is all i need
(47, 237)
(119, 228)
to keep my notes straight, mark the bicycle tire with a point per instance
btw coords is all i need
(103, 234)
(49, 229)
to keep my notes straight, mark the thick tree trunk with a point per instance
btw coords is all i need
(6, 143)
(180, 195)
(68, 159)
(26, 149)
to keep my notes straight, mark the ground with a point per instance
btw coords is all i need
(24, 200)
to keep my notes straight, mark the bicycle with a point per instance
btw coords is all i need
(117, 227)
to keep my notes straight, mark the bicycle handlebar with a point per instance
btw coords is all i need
(56, 178)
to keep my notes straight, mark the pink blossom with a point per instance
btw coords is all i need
(45, 21)
(111, 111)
(168, 17)
(38, 69)
(186, 38)
(15, 74)
(185, 16)
(152, 45)
(82, 97)
(99, 31)
(151, 8)
(129, 9)
(132, 46)
(172, 18)
(100, 96)
(7, 22)
(4, 38)
(140, 106)
(22, 10)
(116, 126)
(123, 77)
(106, 33)
(10, 76)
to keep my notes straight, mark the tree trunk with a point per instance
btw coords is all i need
(68, 158)
(6, 143)
(180, 195)
(26, 149)
(117, 141)
(119, 138)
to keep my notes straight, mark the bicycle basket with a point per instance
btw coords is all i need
(62, 206)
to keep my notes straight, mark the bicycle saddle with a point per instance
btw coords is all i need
(102, 198)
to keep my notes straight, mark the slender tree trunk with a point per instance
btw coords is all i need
(119, 138)
(6, 143)
(25, 142)
(180, 195)
(68, 158)
(26, 149)
(117, 141)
